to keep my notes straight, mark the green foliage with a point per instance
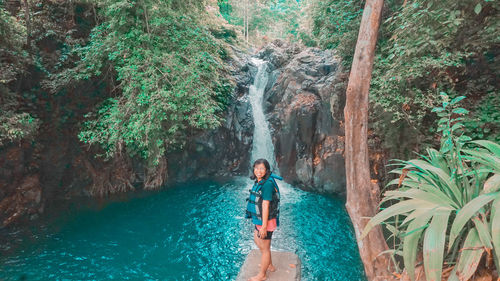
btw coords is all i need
(485, 120)
(336, 25)
(432, 45)
(169, 77)
(424, 48)
(448, 201)
(451, 126)
(225, 9)
(267, 18)
(229, 35)
(12, 39)
(14, 125)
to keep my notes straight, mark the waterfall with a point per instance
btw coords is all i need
(262, 146)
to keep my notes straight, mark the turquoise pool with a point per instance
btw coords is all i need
(193, 231)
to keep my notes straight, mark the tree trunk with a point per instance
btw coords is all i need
(28, 23)
(362, 194)
(246, 21)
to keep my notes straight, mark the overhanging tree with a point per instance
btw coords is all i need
(362, 194)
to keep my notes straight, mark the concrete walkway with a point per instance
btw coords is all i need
(287, 266)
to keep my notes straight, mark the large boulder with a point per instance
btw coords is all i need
(304, 107)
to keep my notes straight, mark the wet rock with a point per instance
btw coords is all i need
(20, 188)
(24, 202)
(305, 109)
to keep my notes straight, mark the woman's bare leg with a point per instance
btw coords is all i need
(265, 260)
(265, 251)
(259, 244)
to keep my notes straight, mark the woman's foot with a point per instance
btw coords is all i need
(270, 268)
(258, 278)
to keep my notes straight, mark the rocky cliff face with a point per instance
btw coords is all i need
(20, 189)
(304, 104)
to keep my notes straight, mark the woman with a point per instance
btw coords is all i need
(263, 209)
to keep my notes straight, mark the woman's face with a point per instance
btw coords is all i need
(259, 170)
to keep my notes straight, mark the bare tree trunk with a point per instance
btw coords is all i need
(246, 21)
(362, 194)
(146, 17)
(28, 23)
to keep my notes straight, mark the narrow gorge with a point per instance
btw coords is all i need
(303, 101)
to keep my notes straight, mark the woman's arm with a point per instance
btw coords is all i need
(265, 216)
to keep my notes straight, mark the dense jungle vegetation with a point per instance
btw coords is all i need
(153, 70)
(424, 48)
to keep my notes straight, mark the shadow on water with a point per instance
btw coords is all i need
(192, 231)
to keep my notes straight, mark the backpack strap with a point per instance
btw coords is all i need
(274, 178)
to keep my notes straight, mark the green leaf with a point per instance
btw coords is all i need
(457, 99)
(492, 184)
(443, 176)
(415, 214)
(396, 209)
(493, 147)
(495, 229)
(460, 111)
(453, 275)
(392, 229)
(470, 255)
(457, 126)
(410, 242)
(464, 139)
(424, 196)
(443, 95)
(478, 8)
(437, 159)
(483, 232)
(433, 247)
(390, 251)
(486, 159)
(465, 214)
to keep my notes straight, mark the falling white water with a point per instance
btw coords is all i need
(263, 148)
(262, 144)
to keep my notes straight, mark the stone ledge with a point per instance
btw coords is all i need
(287, 266)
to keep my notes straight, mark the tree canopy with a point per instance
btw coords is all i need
(424, 48)
(158, 72)
(169, 76)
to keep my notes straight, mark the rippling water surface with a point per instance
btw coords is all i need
(195, 231)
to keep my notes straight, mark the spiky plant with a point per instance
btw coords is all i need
(449, 202)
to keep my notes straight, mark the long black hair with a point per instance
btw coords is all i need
(266, 164)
